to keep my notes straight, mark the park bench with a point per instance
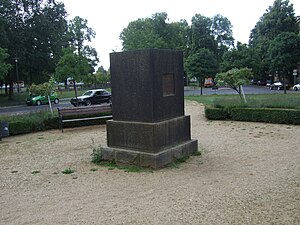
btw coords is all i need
(72, 114)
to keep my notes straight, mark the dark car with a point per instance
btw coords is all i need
(92, 97)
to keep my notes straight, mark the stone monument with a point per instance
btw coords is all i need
(149, 128)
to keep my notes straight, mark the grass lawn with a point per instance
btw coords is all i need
(254, 101)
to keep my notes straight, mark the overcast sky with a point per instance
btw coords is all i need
(108, 18)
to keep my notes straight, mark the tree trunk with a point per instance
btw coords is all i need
(284, 83)
(75, 89)
(50, 105)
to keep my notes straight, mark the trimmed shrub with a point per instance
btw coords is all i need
(269, 115)
(216, 113)
(19, 127)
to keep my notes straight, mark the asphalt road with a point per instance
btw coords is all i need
(188, 91)
(22, 109)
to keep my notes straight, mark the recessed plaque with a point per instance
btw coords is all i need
(168, 85)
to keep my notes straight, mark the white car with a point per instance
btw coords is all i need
(276, 86)
(296, 87)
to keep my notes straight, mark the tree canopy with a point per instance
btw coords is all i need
(235, 78)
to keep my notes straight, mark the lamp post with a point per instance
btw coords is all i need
(17, 73)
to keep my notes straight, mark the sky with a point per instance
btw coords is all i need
(109, 18)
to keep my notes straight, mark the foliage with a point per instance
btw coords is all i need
(177, 162)
(100, 77)
(201, 64)
(284, 116)
(34, 33)
(216, 113)
(4, 66)
(284, 53)
(125, 168)
(154, 32)
(234, 78)
(290, 101)
(79, 33)
(96, 155)
(200, 35)
(22, 124)
(269, 115)
(71, 65)
(68, 171)
(44, 89)
(279, 18)
(222, 30)
(241, 57)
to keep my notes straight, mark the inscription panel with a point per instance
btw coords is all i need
(168, 84)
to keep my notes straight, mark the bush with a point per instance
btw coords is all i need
(19, 127)
(269, 115)
(216, 113)
(284, 116)
(21, 124)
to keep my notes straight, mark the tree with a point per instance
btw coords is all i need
(4, 66)
(79, 33)
(235, 78)
(279, 18)
(241, 57)
(284, 55)
(44, 89)
(213, 34)
(222, 31)
(201, 64)
(72, 65)
(154, 32)
(200, 35)
(100, 77)
(34, 32)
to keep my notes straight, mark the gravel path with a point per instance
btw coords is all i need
(249, 173)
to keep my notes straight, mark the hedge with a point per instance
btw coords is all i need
(269, 115)
(216, 113)
(40, 122)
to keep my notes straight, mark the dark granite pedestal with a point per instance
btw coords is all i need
(149, 128)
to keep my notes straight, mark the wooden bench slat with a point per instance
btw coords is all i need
(89, 111)
(89, 118)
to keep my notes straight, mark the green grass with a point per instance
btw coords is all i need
(125, 168)
(291, 101)
(68, 171)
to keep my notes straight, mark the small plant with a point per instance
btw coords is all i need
(94, 169)
(177, 162)
(68, 171)
(125, 168)
(35, 172)
(197, 153)
(96, 155)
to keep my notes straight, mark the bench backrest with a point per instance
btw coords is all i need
(88, 110)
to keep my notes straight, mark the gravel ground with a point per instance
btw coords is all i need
(248, 173)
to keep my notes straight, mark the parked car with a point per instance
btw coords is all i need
(208, 82)
(296, 87)
(261, 83)
(278, 86)
(34, 99)
(92, 97)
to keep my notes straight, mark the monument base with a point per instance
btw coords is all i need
(150, 160)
